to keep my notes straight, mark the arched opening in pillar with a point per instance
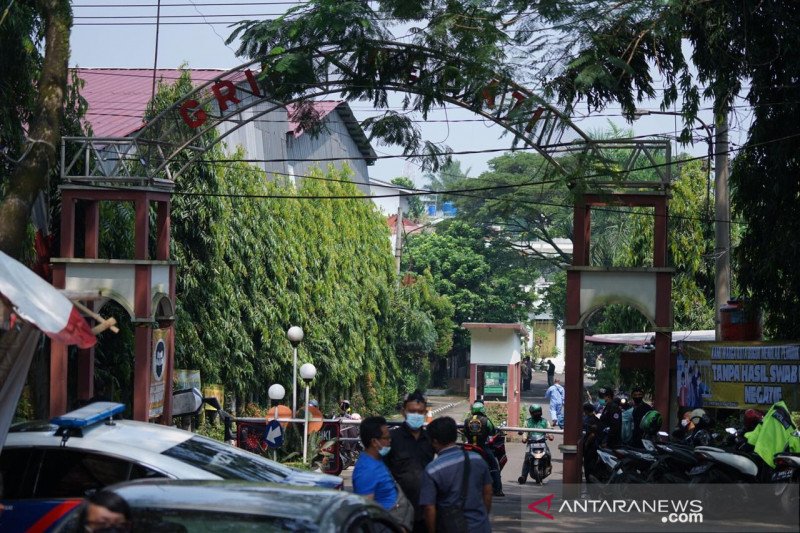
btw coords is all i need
(619, 349)
(112, 378)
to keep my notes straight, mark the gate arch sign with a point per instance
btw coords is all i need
(151, 154)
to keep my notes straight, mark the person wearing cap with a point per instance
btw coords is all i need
(611, 421)
(640, 408)
(411, 452)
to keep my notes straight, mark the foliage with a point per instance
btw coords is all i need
(251, 267)
(484, 283)
(415, 208)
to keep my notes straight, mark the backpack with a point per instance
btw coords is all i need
(627, 425)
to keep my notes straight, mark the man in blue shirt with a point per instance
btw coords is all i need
(371, 477)
(442, 481)
(556, 396)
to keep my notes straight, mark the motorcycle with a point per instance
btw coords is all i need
(786, 474)
(497, 444)
(539, 459)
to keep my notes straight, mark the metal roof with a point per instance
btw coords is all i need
(118, 98)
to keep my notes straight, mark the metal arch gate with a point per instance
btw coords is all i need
(156, 155)
(150, 156)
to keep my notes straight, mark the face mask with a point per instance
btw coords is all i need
(684, 423)
(385, 451)
(602, 402)
(415, 420)
(637, 401)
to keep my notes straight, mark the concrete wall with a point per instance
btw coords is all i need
(494, 347)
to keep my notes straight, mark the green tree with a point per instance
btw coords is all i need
(482, 282)
(40, 104)
(590, 54)
(415, 207)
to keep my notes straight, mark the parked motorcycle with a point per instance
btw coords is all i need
(786, 474)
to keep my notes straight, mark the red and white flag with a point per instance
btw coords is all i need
(41, 304)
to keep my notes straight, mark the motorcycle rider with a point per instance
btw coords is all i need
(693, 429)
(610, 420)
(477, 430)
(533, 421)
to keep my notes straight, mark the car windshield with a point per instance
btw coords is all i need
(227, 461)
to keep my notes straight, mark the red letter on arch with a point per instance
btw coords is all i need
(251, 79)
(228, 96)
(192, 114)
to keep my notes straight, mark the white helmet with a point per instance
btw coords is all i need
(355, 416)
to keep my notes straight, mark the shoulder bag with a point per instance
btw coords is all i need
(403, 511)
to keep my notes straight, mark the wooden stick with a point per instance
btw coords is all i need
(108, 324)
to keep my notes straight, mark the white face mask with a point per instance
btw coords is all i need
(385, 451)
(684, 423)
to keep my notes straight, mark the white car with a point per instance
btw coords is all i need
(42, 463)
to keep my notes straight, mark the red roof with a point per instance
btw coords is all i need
(408, 225)
(323, 107)
(118, 97)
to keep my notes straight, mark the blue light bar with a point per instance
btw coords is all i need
(88, 415)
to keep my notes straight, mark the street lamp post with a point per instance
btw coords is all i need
(307, 372)
(276, 393)
(295, 336)
(722, 213)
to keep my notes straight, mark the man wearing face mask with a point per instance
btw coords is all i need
(411, 452)
(640, 408)
(371, 478)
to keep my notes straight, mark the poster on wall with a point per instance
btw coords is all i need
(737, 375)
(158, 370)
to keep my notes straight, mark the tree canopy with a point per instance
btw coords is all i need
(590, 54)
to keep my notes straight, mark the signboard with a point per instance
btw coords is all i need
(217, 391)
(737, 375)
(329, 445)
(186, 379)
(158, 370)
(273, 435)
(494, 383)
(248, 436)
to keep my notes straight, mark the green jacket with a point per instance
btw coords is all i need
(774, 434)
(536, 435)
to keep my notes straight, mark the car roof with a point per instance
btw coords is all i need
(240, 497)
(152, 437)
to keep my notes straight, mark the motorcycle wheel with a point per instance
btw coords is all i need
(537, 474)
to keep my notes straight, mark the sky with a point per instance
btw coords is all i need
(122, 33)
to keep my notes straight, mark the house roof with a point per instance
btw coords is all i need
(118, 99)
(516, 326)
(408, 225)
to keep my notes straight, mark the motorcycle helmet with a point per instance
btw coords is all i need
(651, 422)
(478, 408)
(534, 409)
(314, 403)
(344, 405)
(700, 418)
(752, 418)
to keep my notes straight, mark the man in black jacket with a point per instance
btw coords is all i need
(411, 452)
(640, 408)
(610, 420)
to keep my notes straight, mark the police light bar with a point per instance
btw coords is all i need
(88, 415)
